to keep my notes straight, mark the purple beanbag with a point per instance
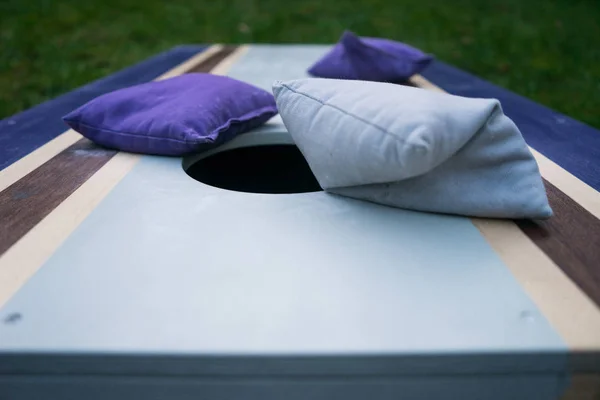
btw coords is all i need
(177, 116)
(370, 59)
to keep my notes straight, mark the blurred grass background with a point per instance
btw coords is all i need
(544, 49)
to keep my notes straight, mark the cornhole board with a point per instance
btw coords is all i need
(121, 277)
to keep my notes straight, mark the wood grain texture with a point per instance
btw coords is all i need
(223, 67)
(193, 62)
(573, 314)
(572, 240)
(585, 195)
(27, 201)
(214, 60)
(31, 161)
(27, 255)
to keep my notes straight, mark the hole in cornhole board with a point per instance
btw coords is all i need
(275, 169)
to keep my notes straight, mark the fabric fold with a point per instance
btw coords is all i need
(411, 148)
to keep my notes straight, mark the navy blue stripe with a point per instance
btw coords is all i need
(23, 133)
(571, 144)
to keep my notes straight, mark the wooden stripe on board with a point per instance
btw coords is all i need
(224, 67)
(49, 202)
(571, 238)
(573, 314)
(585, 195)
(29, 200)
(212, 62)
(31, 161)
(24, 258)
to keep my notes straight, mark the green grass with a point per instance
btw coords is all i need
(546, 50)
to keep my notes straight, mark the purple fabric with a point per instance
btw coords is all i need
(177, 116)
(370, 59)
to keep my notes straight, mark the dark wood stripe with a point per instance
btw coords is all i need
(26, 202)
(30, 199)
(214, 60)
(571, 238)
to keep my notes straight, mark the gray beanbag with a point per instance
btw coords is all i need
(412, 148)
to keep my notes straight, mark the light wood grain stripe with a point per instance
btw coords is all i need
(420, 81)
(211, 63)
(24, 258)
(31, 250)
(31, 161)
(224, 67)
(571, 312)
(585, 195)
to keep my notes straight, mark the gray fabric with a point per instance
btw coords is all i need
(412, 148)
